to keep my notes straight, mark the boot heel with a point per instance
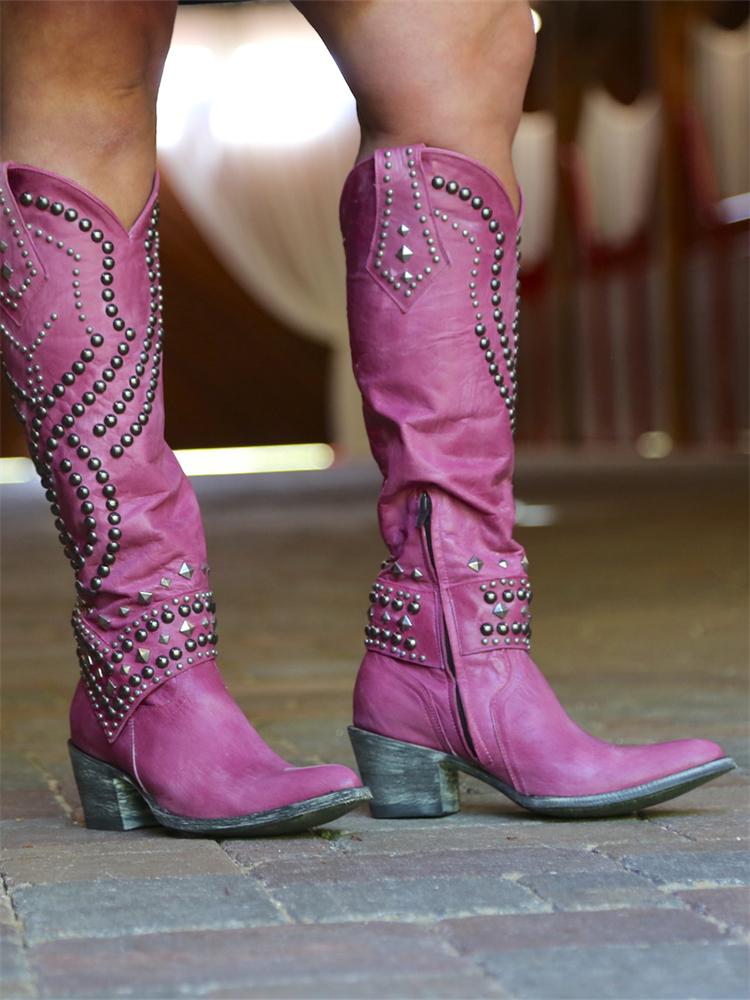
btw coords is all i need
(109, 800)
(405, 780)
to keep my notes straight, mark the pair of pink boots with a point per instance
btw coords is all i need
(447, 684)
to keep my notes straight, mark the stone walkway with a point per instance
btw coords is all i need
(640, 621)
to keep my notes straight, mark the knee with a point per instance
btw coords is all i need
(101, 66)
(457, 68)
(86, 48)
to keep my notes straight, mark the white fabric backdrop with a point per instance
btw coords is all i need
(620, 146)
(721, 80)
(268, 206)
(535, 161)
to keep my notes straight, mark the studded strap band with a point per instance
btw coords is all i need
(122, 661)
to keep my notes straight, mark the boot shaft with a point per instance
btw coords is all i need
(431, 248)
(81, 319)
(431, 242)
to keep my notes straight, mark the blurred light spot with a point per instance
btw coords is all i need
(536, 19)
(188, 81)
(734, 209)
(264, 458)
(15, 470)
(215, 461)
(654, 444)
(279, 92)
(535, 515)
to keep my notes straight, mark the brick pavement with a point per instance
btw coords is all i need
(646, 640)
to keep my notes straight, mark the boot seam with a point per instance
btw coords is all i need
(506, 753)
(437, 544)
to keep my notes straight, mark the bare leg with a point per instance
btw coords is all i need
(446, 73)
(78, 92)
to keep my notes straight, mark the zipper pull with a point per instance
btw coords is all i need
(425, 509)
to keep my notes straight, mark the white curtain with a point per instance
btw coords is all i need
(620, 147)
(257, 144)
(268, 206)
(535, 161)
(721, 82)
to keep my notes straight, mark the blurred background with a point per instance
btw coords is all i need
(633, 153)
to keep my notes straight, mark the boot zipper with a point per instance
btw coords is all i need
(424, 522)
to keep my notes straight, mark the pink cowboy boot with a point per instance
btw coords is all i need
(155, 736)
(447, 683)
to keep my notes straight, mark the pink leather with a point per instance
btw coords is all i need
(190, 746)
(81, 321)
(431, 242)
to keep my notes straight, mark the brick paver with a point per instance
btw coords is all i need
(644, 639)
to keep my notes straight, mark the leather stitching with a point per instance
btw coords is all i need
(506, 752)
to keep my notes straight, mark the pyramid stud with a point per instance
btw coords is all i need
(403, 229)
(165, 581)
(475, 563)
(417, 574)
(143, 655)
(406, 622)
(186, 628)
(164, 638)
(7, 271)
(525, 564)
(125, 670)
(186, 571)
(397, 569)
(526, 611)
(386, 617)
(145, 597)
(500, 611)
(103, 621)
(503, 563)
(407, 276)
(404, 253)
(124, 612)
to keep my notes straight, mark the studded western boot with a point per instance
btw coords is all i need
(447, 683)
(155, 736)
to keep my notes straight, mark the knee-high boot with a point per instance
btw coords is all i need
(155, 736)
(447, 683)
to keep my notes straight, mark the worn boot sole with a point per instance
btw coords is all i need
(112, 801)
(407, 780)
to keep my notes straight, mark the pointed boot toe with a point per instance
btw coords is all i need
(697, 752)
(327, 778)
